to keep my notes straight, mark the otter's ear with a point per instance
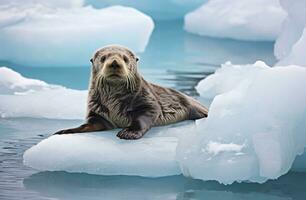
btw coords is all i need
(137, 59)
(91, 60)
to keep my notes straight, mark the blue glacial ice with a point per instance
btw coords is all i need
(39, 35)
(239, 19)
(254, 132)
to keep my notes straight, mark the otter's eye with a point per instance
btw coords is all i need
(103, 58)
(126, 60)
(137, 59)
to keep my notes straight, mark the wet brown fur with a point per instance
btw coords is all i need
(119, 97)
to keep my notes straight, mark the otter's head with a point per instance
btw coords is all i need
(115, 65)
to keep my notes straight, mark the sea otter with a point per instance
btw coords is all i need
(119, 97)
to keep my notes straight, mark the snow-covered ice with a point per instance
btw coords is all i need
(290, 46)
(39, 35)
(24, 97)
(239, 19)
(255, 127)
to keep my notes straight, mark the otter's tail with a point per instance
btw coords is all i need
(197, 110)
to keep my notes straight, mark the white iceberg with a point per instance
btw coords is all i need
(239, 19)
(24, 97)
(290, 46)
(255, 127)
(104, 154)
(39, 35)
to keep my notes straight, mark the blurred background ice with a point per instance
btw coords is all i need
(243, 20)
(45, 36)
(45, 52)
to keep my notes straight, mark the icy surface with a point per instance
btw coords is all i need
(255, 127)
(39, 35)
(105, 154)
(290, 46)
(239, 19)
(24, 97)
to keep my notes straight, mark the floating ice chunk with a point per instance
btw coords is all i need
(24, 97)
(260, 113)
(105, 154)
(12, 82)
(239, 19)
(291, 32)
(57, 103)
(44, 36)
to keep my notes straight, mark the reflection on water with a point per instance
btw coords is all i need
(62, 185)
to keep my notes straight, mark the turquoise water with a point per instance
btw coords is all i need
(172, 58)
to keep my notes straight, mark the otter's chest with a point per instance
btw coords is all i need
(115, 112)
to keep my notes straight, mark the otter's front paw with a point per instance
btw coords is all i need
(128, 134)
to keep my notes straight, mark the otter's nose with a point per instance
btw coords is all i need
(114, 65)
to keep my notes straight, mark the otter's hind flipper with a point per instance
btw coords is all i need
(197, 111)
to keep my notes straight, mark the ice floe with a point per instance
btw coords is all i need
(39, 35)
(24, 97)
(239, 19)
(254, 129)
(104, 154)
